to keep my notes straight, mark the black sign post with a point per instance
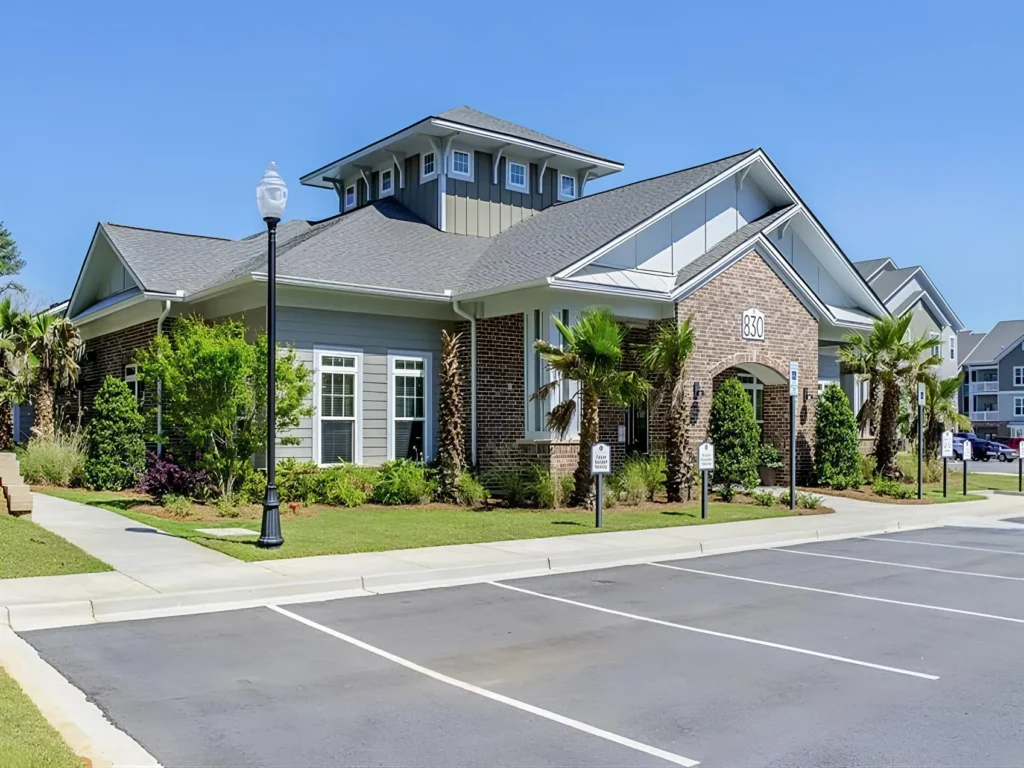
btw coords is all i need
(705, 463)
(947, 451)
(600, 465)
(965, 454)
(794, 384)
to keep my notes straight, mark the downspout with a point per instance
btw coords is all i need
(472, 378)
(159, 385)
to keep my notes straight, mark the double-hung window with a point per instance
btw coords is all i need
(952, 347)
(1018, 376)
(566, 187)
(539, 324)
(428, 166)
(462, 164)
(410, 405)
(387, 182)
(518, 176)
(350, 196)
(131, 378)
(1018, 406)
(338, 395)
(755, 389)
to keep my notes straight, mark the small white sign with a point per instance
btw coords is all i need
(966, 451)
(600, 459)
(920, 393)
(622, 433)
(705, 457)
(752, 324)
(947, 444)
(794, 378)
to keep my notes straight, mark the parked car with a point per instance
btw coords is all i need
(1014, 442)
(979, 447)
(1000, 451)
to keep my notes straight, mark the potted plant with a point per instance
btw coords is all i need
(769, 461)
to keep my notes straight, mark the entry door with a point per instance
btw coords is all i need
(636, 429)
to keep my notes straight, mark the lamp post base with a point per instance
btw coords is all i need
(270, 529)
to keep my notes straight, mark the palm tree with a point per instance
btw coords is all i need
(16, 368)
(590, 355)
(57, 346)
(940, 411)
(665, 359)
(892, 363)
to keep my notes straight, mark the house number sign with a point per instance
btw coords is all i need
(753, 325)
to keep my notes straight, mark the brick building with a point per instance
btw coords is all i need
(465, 221)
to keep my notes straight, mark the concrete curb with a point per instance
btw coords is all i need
(80, 722)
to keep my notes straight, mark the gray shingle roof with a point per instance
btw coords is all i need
(966, 341)
(869, 266)
(726, 246)
(1002, 335)
(561, 235)
(888, 282)
(477, 119)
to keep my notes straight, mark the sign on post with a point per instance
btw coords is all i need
(920, 393)
(706, 457)
(966, 451)
(947, 444)
(600, 459)
(794, 378)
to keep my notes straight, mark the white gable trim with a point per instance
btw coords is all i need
(72, 302)
(873, 275)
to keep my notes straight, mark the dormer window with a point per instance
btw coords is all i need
(462, 164)
(350, 196)
(517, 176)
(566, 187)
(428, 166)
(387, 182)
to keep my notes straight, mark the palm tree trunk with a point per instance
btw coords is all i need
(886, 443)
(583, 495)
(43, 409)
(675, 450)
(6, 427)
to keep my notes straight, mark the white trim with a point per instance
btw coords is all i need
(310, 282)
(389, 171)
(132, 379)
(85, 266)
(497, 162)
(1018, 375)
(509, 184)
(451, 165)
(424, 176)
(873, 275)
(952, 347)
(318, 352)
(354, 187)
(428, 398)
(399, 160)
(575, 186)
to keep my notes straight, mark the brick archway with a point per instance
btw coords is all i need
(752, 357)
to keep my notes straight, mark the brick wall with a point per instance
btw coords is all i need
(108, 355)
(500, 388)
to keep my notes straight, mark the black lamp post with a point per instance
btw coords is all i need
(271, 198)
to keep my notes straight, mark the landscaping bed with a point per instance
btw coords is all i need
(319, 529)
(28, 550)
(932, 494)
(26, 739)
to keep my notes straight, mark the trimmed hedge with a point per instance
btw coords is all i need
(115, 447)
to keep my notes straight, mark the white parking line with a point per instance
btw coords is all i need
(553, 716)
(925, 606)
(724, 635)
(947, 546)
(897, 565)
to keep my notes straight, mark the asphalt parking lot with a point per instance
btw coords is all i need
(898, 650)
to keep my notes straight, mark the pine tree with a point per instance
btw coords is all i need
(451, 452)
(11, 262)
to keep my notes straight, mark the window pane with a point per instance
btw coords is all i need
(334, 361)
(568, 186)
(408, 439)
(337, 441)
(460, 163)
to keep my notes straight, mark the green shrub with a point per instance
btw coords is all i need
(893, 488)
(769, 456)
(837, 461)
(227, 505)
(784, 498)
(650, 473)
(930, 470)
(763, 498)
(867, 467)
(179, 506)
(566, 487)
(628, 484)
(298, 481)
(253, 488)
(401, 481)
(59, 460)
(541, 491)
(736, 437)
(809, 500)
(115, 452)
(469, 491)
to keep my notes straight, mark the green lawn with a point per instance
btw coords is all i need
(337, 531)
(28, 550)
(26, 739)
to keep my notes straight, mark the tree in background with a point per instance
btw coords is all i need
(892, 362)
(11, 262)
(940, 412)
(451, 451)
(56, 346)
(836, 447)
(665, 359)
(115, 452)
(733, 430)
(214, 393)
(590, 355)
(16, 368)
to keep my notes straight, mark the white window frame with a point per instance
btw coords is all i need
(753, 386)
(525, 186)
(318, 354)
(131, 378)
(936, 345)
(952, 348)
(451, 164)
(355, 197)
(428, 398)
(1016, 431)
(561, 195)
(1018, 406)
(536, 373)
(388, 171)
(1018, 375)
(426, 176)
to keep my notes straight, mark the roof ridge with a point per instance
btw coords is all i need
(167, 232)
(653, 178)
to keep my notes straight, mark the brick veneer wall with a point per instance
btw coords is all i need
(791, 333)
(500, 388)
(108, 355)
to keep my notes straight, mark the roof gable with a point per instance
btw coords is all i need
(1004, 336)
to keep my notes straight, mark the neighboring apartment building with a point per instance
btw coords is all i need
(993, 390)
(466, 222)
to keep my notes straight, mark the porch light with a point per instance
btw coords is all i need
(271, 194)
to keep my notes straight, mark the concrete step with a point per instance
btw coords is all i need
(19, 499)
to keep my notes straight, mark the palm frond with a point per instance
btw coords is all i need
(561, 417)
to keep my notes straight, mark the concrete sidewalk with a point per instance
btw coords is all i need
(158, 573)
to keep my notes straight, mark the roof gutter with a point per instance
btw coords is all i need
(159, 382)
(472, 377)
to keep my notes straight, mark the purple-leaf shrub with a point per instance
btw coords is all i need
(164, 475)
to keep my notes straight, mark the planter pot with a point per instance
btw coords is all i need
(768, 476)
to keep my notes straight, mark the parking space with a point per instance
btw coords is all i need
(899, 649)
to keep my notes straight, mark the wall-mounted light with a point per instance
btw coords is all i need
(807, 395)
(697, 390)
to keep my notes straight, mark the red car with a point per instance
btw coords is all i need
(1013, 442)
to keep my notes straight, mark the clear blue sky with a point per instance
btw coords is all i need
(900, 123)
